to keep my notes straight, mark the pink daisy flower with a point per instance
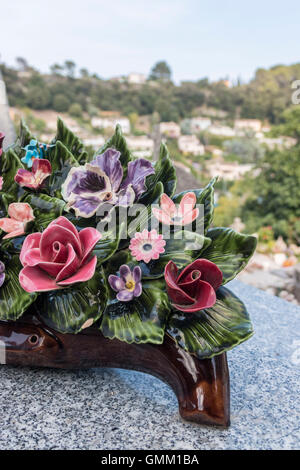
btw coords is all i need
(146, 245)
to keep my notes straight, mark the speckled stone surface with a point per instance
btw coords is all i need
(116, 409)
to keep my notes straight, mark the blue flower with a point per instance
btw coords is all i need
(34, 150)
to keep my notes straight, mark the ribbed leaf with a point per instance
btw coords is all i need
(13, 299)
(212, 331)
(62, 160)
(107, 245)
(204, 196)
(164, 172)
(229, 250)
(46, 209)
(66, 310)
(142, 320)
(23, 139)
(118, 142)
(71, 141)
(9, 165)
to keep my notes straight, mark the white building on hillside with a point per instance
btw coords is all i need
(141, 146)
(136, 78)
(199, 124)
(222, 131)
(110, 123)
(248, 124)
(170, 129)
(190, 145)
(96, 141)
(228, 171)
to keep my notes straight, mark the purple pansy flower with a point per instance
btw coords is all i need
(99, 183)
(128, 284)
(2, 273)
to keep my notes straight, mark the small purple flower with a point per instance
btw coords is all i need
(128, 284)
(100, 183)
(2, 273)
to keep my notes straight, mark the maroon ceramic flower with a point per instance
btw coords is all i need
(195, 287)
(59, 257)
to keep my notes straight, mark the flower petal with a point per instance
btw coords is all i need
(85, 273)
(125, 295)
(209, 272)
(25, 178)
(33, 279)
(137, 274)
(32, 257)
(187, 203)
(88, 237)
(189, 217)
(11, 225)
(116, 283)
(174, 292)
(138, 289)
(64, 222)
(137, 172)
(2, 279)
(85, 206)
(167, 205)
(206, 298)
(162, 216)
(16, 233)
(56, 233)
(31, 241)
(20, 211)
(71, 265)
(125, 272)
(111, 166)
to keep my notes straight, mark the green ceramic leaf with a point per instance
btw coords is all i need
(66, 310)
(9, 165)
(71, 141)
(164, 172)
(62, 160)
(107, 245)
(13, 299)
(142, 320)
(45, 209)
(229, 250)
(23, 139)
(204, 196)
(183, 248)
(118, 142)
(212, 331)
(5, 200)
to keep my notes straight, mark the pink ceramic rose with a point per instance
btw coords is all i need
(59, 257)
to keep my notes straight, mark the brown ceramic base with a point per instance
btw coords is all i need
(201, 386)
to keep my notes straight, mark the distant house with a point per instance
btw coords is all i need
(170, 129)
(190, 145)
(110, 123)
(136, 78)
(95, 142)
(222, 131)
(247, 124)
(228, 171)
(199, 124)
(141, 146)
(281, 142)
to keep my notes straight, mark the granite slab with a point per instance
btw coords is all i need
(117, 409)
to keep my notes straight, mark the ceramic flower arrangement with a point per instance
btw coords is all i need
(61, 259)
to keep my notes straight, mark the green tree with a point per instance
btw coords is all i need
(70, 67)
(275, 195)
(160, 71)
(61, 103)
(75, 110)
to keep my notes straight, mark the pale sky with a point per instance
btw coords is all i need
(197, 38)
